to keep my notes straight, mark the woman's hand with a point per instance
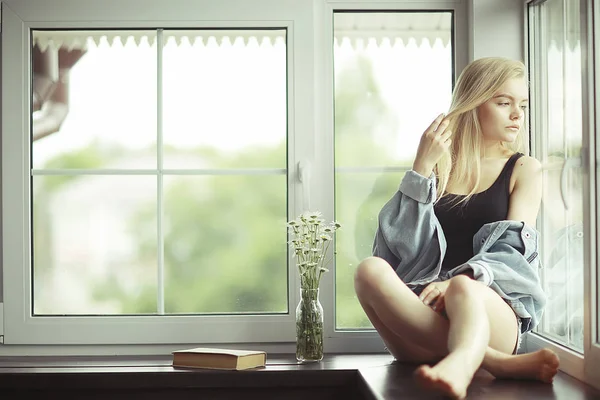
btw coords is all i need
(435, 141)
(433, 295)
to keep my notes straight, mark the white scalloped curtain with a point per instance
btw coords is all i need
(357, 28)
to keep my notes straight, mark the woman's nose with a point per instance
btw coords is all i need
(516, 114)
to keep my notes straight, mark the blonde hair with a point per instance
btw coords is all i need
(477, 84)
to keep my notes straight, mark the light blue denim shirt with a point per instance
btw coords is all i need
(410, 238)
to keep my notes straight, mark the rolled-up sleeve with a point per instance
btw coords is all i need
(419, 188)
(408, 235)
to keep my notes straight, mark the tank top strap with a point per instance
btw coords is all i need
(510, 165)
(506, 172)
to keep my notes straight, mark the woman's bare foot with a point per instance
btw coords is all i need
(451, 376)
(541, 365)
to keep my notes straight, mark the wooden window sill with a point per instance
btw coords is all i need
(348, 376)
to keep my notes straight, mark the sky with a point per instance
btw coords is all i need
(230, 94)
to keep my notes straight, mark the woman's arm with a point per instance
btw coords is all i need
(408, 235)
(526, 196)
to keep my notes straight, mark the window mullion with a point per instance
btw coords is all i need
(160, 284)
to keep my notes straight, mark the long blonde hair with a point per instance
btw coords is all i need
(477, 84)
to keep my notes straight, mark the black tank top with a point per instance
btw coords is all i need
(461, 222)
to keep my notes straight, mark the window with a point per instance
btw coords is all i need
(149, 183)
(150, 163)
(560, 50)
(379, 119)
(159, 201)
(559, 98)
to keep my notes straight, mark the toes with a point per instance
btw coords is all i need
(548, 374)
(426, 376)
(550, 358)
(425, 372)
(448, 389)
(429, 379)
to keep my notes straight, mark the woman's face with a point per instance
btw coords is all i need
(502, 117)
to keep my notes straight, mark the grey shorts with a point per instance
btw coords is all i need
(519, 335)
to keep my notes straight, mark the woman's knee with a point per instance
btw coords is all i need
(462, 284)
(369, 272)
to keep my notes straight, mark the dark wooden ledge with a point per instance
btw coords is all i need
(362, 376)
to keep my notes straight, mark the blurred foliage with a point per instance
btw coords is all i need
(94, 155)
(43, 188)
(365, 134)
(225, 244)
(225, 236)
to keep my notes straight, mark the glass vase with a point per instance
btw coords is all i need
(309, 326)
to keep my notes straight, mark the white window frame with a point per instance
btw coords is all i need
(571, 361)
(592, 124)
(18, 17)
(583, 367)
(310, 140)
(324, 81)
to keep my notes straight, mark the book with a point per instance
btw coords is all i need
(213, 358)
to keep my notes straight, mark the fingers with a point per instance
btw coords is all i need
(439, 130)
(445, 136)
(436, 122)
(429, 294)
(439, 304)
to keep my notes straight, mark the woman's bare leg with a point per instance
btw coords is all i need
(540, 365)
(402, 349)
(468, 337)
(413, 332)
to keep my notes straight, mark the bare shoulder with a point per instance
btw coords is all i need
(527, 172)
(527, 169)
(529, 162)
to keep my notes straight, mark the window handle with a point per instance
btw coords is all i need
(304, 178)
(568, 164)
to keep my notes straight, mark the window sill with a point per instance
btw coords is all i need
(359, 376)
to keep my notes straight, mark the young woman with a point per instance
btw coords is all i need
(453, 280)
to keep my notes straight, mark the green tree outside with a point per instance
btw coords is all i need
(225, 237)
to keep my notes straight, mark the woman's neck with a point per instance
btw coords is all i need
(493, 150)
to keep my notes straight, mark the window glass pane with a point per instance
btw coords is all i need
(389, 86)
(225, 244)
(200, 225)
(94, 100)
(226, 93)
(94, 244)
(369, 191)
(558, 76)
